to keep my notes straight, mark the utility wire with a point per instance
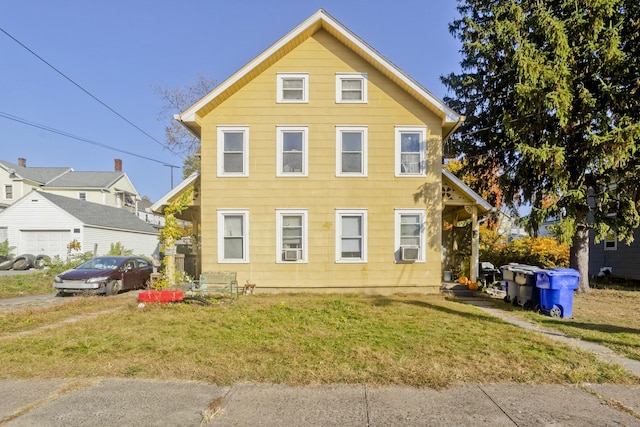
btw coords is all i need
(89, 93)
(79, 138)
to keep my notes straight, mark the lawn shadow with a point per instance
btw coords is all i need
(384, 301)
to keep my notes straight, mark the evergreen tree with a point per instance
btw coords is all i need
(549, 91)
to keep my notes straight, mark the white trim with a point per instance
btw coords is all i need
(222, 214)
(362, 213)
(303, 251)
(222, 130)
(164, 200)
(321, 19)
(4, 192)
(280, 77)
(363, 130)
(280, 130)
(422, 150)
(422, 253)
(362, 77)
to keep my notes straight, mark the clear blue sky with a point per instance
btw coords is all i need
(120, 50)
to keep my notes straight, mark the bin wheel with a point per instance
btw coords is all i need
(555, 312)
(507, 299)
(528, 306)
(515, 302)
(537, 308)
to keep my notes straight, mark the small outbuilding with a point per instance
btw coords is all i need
(45, 223)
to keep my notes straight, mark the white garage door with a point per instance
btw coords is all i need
(46, 242)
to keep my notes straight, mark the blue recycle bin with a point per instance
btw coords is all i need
(556, 291)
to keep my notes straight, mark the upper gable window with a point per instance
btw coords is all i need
(293, 87)
(410, 151)
(233, 151)
(82, 195)
(8, 192)
(351, 87)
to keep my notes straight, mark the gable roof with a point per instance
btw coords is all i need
(467, 191)
(40, 175)
(98, 215)
(186, 184)
(320, 20)
(86, 179)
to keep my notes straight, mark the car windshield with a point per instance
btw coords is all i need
(99, 264)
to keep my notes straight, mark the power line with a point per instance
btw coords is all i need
(90, 94)
(79, 138)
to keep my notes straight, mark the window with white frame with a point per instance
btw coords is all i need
(291, 228)
(8, 192)
(410, 235)
(611, 242)
(410, 151)
(351, 235)
(233, 151)
(82, 195)
(351, 151)
(351, 87)
(293, 87)
(233, 236)
(292, 150)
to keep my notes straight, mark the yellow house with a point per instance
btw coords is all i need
(321, 170)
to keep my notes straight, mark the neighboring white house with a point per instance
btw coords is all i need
(45, 223)
(111, 188)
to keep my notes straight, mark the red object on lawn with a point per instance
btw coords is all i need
(163, 297)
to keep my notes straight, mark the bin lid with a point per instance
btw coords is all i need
(563, 272)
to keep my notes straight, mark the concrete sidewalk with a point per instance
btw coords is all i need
(123, 402)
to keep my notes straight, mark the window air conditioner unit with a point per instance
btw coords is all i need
(409, 253)
(291, 254)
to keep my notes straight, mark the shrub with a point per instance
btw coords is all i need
(6, 250)
(545, 252)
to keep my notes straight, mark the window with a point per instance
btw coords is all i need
(233, 151)
(8, 192)
(82, 195)
(410, 235)
(233, 236)
(410, 151)
(293, 87)
(292, 151)
(351, 87)
(351, 235)
(611, 242)
(291, 228)
(351, 151)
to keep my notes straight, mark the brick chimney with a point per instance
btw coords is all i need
(117, 165)
(22, 162)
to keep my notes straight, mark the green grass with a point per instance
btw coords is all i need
(608, 317)
(38, 282)
(299, 339)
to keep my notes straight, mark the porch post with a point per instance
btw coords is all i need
(475, 238)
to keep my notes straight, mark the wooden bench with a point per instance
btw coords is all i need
(220, 282)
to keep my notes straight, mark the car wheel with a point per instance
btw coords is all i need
(6, 265)
(41, 261)
(114, 287)
(23, 262)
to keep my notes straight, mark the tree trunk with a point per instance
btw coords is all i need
(580, 250)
